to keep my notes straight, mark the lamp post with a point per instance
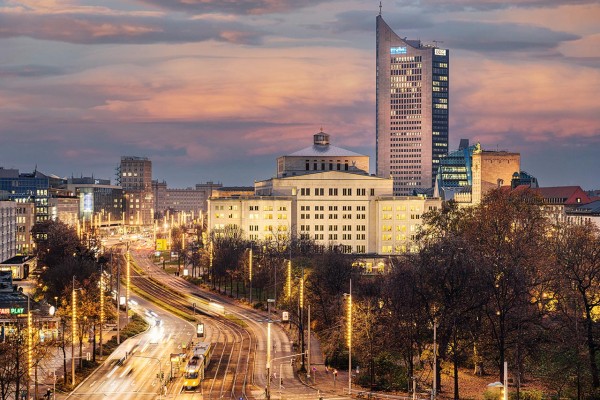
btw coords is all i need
(101, 304)
(288, 284)
(127, 283)
(29, 345)
(301, 324)
(269, 345)
(349, 337)
(73, 329)
(249, 268)
(268, 389)
(505, 388)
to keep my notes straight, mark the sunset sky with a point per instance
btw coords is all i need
(215, 90)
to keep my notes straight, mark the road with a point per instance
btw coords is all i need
(249, 345)
(133, 370)
(239, 334)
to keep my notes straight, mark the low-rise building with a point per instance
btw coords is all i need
(189, 200)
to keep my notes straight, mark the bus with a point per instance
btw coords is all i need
(197, 365)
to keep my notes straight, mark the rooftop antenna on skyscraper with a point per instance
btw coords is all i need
(380, 8)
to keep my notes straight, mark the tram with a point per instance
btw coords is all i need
(197, 365)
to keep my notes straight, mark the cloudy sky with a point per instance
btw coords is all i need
(215, 90)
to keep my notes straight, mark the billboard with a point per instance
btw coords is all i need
(88, 202)
(161, 245)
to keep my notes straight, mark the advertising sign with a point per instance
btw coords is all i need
(398, 50)
(161, 245)
(88, 202)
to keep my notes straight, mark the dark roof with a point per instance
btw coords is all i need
(590, 208)
(568, 195)
(17, 260)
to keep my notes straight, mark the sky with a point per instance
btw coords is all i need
(216, 90)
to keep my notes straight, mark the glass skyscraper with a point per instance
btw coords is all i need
(412, 110)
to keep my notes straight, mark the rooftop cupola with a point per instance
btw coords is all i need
(321, 138)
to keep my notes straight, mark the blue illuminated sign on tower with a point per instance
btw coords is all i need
(398, 50)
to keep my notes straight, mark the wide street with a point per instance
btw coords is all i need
(238, 334)
(133, 371)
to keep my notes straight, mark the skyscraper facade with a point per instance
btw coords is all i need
(412, 109)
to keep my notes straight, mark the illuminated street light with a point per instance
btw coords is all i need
(349, 336)
(29, 344)
(289, 280)
(101, 305)
(249, 267)
(73, 329)
(127, 282)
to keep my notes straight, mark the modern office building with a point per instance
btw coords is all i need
(455, 173)
(412, 88)
(8, 230)
(135, 177)
(97, 199)
(27, 187)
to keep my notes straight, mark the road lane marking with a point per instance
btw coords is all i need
(112, 372)
(124, 372)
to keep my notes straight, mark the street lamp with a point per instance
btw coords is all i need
(127, 283)
(301, 324)
(29, 344)
(101, 305)
(289, 280)
(269, 345)
(349, 336)
(249, 268)
(73, 329)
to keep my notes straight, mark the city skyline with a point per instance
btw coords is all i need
(216, 91)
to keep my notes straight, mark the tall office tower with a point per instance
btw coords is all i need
(135, 177)
(412, 110)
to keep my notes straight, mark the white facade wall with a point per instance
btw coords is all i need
(332, 208)
(260, 218)
(399, 220)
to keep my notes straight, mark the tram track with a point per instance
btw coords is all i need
(226, 377)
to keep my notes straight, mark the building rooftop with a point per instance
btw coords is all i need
(592, 208)
(322, 148)
(567, 195)
(17, 260)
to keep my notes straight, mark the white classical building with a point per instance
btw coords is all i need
(346, 208)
